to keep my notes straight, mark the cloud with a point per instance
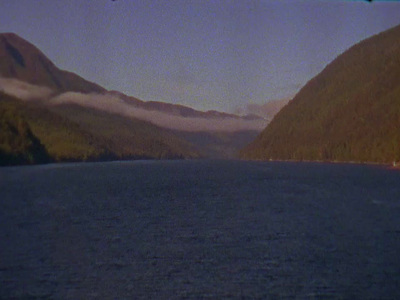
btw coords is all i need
(267, 110)
(114, 104)
(24, 90)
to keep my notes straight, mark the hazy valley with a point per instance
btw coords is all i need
(77, 120)
(348, 112)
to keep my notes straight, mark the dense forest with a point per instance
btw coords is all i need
(34, 133)
(349, 112)
(18, 145)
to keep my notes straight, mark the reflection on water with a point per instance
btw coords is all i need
(199, 229)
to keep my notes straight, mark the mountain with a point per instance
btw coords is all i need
(267, 110)
(72, 133)
(77, 120)
(66, 132)
(348, 112)
(180, 110)
(214, 134)
(127, 138)
(18, 145)
(21, 60)
(73, 117)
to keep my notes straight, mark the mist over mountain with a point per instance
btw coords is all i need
(74, 133)
(79, 120)
(208, 121)
(166, 115)
(267, 110)
(349, 112)
(25, 72)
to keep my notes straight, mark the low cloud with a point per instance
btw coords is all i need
(267, 110)
(24, 90)
(114, 104)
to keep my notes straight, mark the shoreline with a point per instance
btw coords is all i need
(389, 166)
(383, 164)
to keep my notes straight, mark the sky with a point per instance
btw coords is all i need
(206, 54)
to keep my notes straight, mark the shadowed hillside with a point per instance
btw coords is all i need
(33, 133)
(349, 112)
(18, 145)
(127, 138)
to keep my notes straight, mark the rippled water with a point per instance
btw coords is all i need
(199, 229)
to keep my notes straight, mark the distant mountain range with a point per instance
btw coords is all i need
(267, 110)
(349, 112)
(68, 118)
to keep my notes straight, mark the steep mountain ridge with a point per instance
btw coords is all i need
(22, 60)
(348, 112)
(76, 120)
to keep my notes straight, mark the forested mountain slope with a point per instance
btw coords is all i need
(18, 145)
(349, 112)
(77, 120)
(35, 133)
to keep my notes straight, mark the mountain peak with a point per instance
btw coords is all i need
(22, 60)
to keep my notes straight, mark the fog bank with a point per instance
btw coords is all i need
(114, 104)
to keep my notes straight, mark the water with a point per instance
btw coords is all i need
(199, 229)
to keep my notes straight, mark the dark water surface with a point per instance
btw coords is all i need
(199, 229)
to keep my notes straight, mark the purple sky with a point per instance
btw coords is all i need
(208, 54)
